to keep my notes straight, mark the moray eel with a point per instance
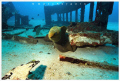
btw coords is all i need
(60, 39)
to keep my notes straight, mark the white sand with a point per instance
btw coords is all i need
(13, 56)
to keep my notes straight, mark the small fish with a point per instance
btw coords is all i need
(43, 19)
(38, 14)
(32, 18)
(13, 13)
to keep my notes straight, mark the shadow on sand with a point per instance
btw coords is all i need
(38, 74)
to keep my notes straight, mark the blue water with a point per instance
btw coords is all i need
(32, 9)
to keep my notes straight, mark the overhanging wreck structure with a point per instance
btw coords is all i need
(67, 7)
(103, 10)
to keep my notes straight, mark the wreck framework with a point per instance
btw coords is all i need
(103, 10)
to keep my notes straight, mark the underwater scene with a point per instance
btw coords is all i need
(64, 40)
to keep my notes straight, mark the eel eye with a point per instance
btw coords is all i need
(55, 33)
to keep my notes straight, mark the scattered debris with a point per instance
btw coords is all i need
(20, 72)
(33, 53)
(19, 38)
(41, 52)
(68, 73)
(13, 55)
(48, 53)
(30, 36)
(49, 68)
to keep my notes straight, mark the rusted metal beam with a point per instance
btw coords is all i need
(67, 17)
(71, 16)
(17, 20)
(82, 12)
(91, 11)
(101, 65)
(63, 17)
(103, 10)
(76, 15)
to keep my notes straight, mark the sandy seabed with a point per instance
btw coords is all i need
(15, 53)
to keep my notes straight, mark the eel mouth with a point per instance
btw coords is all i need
(50, 34)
